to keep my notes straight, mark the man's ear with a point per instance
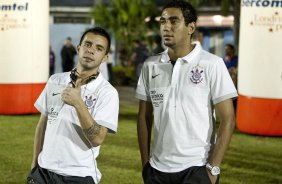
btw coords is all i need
(77, 48)
(191, 28)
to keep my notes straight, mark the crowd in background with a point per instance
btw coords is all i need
(140, 51)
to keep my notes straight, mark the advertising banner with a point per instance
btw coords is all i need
(260, 67)
(24, 57)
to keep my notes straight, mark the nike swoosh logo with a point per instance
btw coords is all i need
(54, 94)
(153, 76)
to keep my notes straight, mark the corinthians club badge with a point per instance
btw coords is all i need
(197, 73)
(90, 101)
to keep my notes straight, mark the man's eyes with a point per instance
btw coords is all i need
(87, 44)
(172, 21)
(96, 47)
(162, 21)
(100, 49)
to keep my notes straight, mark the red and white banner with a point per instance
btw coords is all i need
(260, 68)
(24, 57)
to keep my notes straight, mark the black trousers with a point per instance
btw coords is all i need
(40, 175)
(192, 175)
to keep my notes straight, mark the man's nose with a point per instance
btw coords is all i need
(166, 26)
(91, 50)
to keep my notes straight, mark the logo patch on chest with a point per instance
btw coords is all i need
(197, 75)
(90, 101)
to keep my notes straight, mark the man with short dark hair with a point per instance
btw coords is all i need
(137, 58)
(182, 87)
(67, 53)
(78, 109)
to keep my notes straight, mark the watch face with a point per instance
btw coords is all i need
(215, 171)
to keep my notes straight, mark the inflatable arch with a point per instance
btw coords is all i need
(260, 68)
(24, 57)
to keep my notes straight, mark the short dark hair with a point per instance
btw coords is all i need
(230, 46)
(98, 31)
(188, 11)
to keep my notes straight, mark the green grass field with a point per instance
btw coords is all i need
(249, 160)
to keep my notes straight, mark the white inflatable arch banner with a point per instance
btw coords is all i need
(24, 55)
(260, 68)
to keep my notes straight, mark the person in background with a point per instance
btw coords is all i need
(52, 60)
(67, 53)
(110, 62)
(231, 62)
(157, 45)
(78, 109)
(181, 88)
(139, 55)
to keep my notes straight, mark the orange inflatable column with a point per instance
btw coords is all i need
(260, 68)
(24, 58)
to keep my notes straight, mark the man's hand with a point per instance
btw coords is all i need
(212, 178)
(71, 96)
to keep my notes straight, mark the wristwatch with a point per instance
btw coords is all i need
(214, 170)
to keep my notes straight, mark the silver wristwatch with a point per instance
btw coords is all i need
(214, 170)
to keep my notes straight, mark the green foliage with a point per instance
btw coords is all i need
(225, 5)
(125, 18)
(123, 75)
(199, 3)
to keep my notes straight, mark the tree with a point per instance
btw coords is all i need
(125, 19)
(225, 9)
